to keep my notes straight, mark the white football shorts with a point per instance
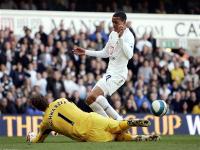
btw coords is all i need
(110, 83)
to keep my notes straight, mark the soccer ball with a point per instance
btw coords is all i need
(159, 108)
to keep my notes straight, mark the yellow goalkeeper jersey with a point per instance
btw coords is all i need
(65, 118)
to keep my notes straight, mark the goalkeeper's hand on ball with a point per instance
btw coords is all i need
(30, 136)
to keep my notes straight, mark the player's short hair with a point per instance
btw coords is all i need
(39, 102)
(121, 15)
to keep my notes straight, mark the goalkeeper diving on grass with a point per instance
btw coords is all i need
(66, 118)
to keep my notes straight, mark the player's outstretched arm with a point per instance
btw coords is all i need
(39, 138)
(30, 136)
(81, 51)
(41, 135)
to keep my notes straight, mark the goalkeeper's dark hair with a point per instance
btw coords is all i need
(39, 102)
(121, 15)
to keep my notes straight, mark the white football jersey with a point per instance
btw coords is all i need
(119, 53)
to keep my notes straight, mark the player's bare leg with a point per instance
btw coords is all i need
(91, 102)
(99, 104)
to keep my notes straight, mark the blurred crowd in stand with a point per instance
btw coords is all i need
(44, 63)
(131, 6)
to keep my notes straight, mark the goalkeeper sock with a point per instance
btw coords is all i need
(121, 128)
(103, 102)
(98, 109)
(124, 137)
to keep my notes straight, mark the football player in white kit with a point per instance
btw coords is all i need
(119, 49)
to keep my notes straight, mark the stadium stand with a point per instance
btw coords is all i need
(46, 64)
(132, 6)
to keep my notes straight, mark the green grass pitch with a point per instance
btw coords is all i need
(181, 142)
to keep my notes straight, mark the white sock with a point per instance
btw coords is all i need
(98, 109)
(103, 102)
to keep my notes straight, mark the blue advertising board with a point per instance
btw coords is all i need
(15, 125)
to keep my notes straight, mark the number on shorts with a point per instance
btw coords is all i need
(108, 77)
